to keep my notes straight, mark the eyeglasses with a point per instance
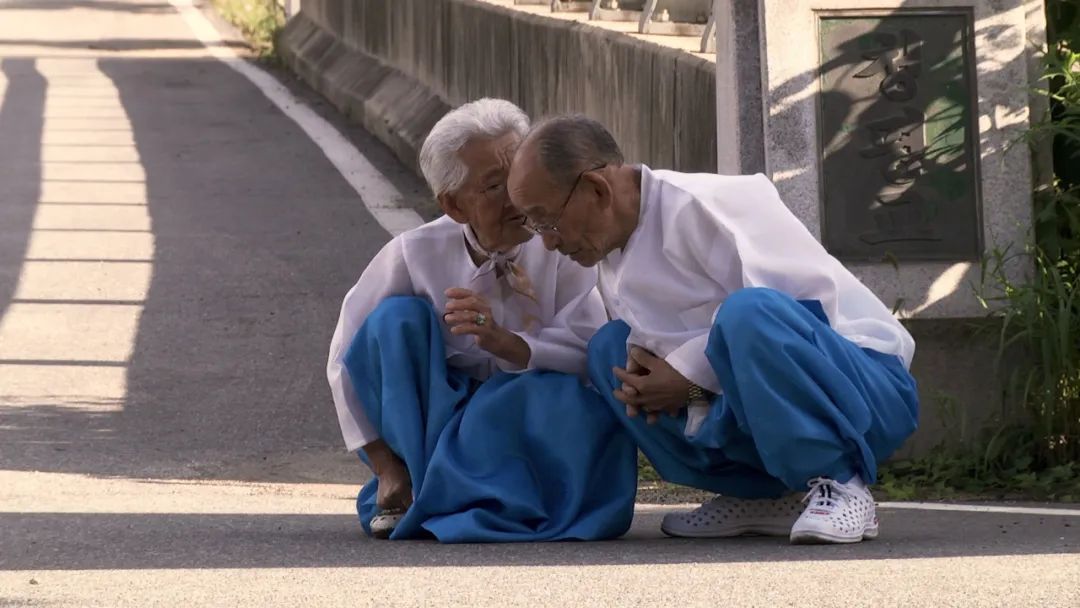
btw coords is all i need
(552, 227)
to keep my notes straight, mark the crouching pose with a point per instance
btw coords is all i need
(769, 372)
(457, 365)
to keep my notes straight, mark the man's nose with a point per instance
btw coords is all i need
(551, 240)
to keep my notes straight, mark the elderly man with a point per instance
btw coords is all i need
(456, 361)
(781, 372)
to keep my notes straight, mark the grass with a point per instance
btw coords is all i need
(1037, 454)
(942, 475)
(1041, 316)
(258, 20)
(653, 490)
(950, 476)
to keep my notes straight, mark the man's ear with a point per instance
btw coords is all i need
(598, 187)
(449, 204)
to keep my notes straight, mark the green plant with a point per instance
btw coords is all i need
(258, 20)
(998, 462)
(646, 472)
(1041, 319)
(1040, 316)
(1000, 467)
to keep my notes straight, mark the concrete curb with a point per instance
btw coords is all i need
(393, 107)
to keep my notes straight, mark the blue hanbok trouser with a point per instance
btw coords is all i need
(799, 401)
(535, 456)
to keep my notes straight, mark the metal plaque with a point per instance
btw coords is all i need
(897, 135)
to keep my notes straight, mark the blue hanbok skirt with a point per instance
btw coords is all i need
(535, 456)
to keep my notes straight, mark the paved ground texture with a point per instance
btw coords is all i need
(173, 250)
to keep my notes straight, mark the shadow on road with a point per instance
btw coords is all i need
(255, 239)
(139, 541)
(97, 5)
(21, 120)
(119, 44)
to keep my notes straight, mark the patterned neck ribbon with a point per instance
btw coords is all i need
(502, 266)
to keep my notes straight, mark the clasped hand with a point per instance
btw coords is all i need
(651, 385)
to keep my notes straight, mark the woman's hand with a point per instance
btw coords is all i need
(468, 312)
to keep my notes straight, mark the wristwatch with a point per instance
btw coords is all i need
(696, 393)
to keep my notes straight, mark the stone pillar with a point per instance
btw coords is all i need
(890, 128)
(739, 129)
(886, 125)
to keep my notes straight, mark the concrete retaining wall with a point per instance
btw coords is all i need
(391, 105)
(397, 65)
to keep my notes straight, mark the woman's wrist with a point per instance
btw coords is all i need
(513, 348)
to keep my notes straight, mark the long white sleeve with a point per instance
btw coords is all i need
(579, 311)
(690, 361)
(749, 238)
(701, 238)
(696, 240)
(387, 275)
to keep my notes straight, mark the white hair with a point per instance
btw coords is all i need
(439, 160)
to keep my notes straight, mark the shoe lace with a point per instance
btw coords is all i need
(824, 492)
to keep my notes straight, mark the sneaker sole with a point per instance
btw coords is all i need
(778, 529)
(821, 538)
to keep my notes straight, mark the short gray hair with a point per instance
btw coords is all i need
(439, 161)
(568, 145)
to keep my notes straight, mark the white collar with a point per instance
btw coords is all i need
(491, 259)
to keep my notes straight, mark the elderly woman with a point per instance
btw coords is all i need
(456, 365)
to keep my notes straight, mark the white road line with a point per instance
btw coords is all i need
(380, 197)
(933, 506)
(911, 506)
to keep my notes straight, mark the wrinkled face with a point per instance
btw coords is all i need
(575, 220)
(482, 201)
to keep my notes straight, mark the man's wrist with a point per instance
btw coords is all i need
(696, 393)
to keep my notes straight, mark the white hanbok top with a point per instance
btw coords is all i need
(432, 258)
(701, 237)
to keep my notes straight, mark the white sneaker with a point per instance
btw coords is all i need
(836, 513)
(726, 516)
